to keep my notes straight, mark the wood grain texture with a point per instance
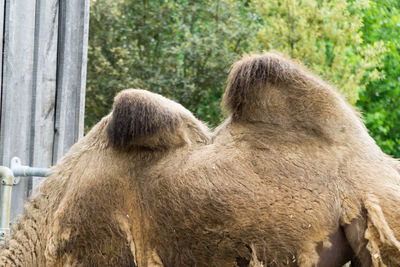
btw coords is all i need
(2, 2)
(71, 76)
(43, 83)
(17, 90)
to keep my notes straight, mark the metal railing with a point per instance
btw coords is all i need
(10, 177)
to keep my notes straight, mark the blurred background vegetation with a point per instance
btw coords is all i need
(183, 50)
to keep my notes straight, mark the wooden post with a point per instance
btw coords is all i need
(16, 117)
(73, 46)
(1, 49)
(43, 83)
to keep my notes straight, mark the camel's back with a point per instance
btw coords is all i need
(243, 193)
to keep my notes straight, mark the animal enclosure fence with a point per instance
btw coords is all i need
(43, 77)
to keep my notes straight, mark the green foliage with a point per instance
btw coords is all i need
(180, 49)
(380, 102)
(324, 35)
(183, 49)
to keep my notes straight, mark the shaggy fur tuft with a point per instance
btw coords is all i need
(279, 92)
(137, 116)
(144, 119)
(258, 72)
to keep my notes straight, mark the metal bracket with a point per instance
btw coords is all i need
(15, 163)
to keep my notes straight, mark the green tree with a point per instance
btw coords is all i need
(326, 36)
(183, 49)
(380, 101)
(180, 49)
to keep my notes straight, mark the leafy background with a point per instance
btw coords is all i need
(183, 50)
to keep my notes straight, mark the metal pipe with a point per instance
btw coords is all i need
(20, 170)
(29, 171)
(7, 178)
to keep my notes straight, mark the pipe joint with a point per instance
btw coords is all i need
(6, 176)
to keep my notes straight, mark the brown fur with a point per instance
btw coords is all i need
(290, 178)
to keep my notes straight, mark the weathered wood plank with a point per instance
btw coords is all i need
(71, 76)
(1, 48)
(15, 130)
(44, 85)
